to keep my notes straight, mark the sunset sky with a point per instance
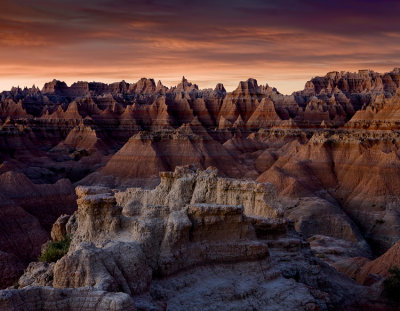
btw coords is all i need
(282, 43)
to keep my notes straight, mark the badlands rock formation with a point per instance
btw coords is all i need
(367, 271)
(196, 241)
(331, 151)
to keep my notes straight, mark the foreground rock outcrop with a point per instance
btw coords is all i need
(196, 241)
(48, 299)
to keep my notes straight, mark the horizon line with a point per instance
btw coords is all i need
(174, 82)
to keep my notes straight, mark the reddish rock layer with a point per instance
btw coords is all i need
(335, 144)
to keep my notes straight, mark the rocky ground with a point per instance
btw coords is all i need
(197, 242)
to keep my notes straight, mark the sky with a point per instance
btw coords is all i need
(283, 43)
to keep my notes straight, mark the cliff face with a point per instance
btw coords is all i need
(357, 169)
(331, 150)
(196, 241)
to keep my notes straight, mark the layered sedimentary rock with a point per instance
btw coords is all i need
(196, 241)
(367, 271)
(382, 114)
(145, 155)
(348, 82)
(357, 169)
(331, 150)
(81, 138)
(47, 299)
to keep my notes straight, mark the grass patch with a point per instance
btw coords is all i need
(391, 286)
(55, 250)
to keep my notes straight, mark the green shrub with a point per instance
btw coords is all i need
(55, 250)
(391, 286)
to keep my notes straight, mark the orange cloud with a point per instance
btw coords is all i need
(224, 41)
